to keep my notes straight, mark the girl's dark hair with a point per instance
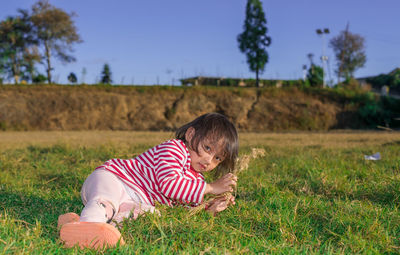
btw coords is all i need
(215, 127)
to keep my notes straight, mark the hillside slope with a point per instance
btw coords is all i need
(166, 108)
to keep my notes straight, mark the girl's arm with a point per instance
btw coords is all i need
(219, 204)
(170, 178)
(224, 184)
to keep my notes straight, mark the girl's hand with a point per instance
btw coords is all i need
(220, 204)
(224, 184)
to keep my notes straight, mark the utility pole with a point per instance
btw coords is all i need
(304, 72)
(324, 58)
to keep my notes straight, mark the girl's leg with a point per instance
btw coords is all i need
(132, 209)
(102, 193)
(131, 206)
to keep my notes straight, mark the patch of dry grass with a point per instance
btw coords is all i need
(125, 139)
(120, 139)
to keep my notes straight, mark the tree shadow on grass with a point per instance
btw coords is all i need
(394, 143)
(59, 181)
(32, 209)
(386, 195)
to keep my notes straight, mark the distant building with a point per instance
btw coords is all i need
(212, 81)
(232, 82)
(373, 79)
(384, 83)
(385, 90)
(365, 80)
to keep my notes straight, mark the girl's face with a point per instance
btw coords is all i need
(209, 155)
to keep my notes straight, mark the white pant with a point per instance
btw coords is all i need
(102, 190)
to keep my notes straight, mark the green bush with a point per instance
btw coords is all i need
(377, 111)
(315, 76)
(40, 78)
(369, 110)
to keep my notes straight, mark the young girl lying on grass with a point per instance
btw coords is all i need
(169, 173)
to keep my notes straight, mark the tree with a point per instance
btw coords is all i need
(39, 78)
(31, 57)
(349, 53)
(315, 76)
(254, 40)
(1, 71)
(55, 31)
(16, 39)
(391, 79)
(106, 75)
(72, 78)
(394, 80)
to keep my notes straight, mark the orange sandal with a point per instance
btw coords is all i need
(90, 235)
(67, 218)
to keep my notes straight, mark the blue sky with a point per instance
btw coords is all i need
(160, 42)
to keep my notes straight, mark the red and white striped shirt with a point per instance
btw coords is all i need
(162, 174)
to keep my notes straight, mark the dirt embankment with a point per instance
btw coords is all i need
(163, 108)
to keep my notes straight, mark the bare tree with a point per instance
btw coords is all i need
(349, 52)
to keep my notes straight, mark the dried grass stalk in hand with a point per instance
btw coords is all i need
(242, 163)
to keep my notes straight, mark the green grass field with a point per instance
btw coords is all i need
(311, 193)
